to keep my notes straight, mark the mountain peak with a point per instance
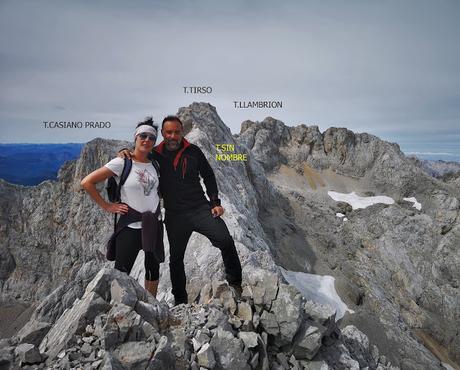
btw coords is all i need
(280, 213)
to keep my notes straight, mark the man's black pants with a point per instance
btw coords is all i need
(179, 227)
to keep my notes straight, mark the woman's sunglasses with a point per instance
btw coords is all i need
(146, 136)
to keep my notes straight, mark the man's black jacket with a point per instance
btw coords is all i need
(180, 172)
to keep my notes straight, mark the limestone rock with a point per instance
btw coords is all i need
(308, 342)
(7, 356)
(73, 321)
(249, 338)
(358, 346)
(228, 351)
(33, 332)
(206, 357)
(134, 355)
(288, 312)
(244, 311)
(27, 354)
(270, 323)
(123, 294)
(163, 357)
(157, 314)
(322, 314)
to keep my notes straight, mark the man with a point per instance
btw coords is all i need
(187, 209)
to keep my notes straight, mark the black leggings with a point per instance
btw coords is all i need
(128, 244)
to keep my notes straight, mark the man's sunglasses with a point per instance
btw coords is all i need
(146, 136)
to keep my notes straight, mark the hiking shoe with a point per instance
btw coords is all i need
(237, 289)
(180, 301)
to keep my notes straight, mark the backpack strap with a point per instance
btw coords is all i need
(124, 175)
(157, 168)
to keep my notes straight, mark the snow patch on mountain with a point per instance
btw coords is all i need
(357, 201)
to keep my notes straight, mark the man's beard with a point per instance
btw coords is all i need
(172, 145)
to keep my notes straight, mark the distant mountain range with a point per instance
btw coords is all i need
(436, 168)
(30, 164)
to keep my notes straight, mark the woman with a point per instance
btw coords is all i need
(139, 197)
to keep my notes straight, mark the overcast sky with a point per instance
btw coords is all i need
(390, 68)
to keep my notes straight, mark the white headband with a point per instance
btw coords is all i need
(145, 129)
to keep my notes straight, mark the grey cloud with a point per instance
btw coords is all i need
(389, 68)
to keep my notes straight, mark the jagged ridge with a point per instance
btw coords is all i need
(382, 258)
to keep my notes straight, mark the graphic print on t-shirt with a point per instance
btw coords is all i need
(147, 181)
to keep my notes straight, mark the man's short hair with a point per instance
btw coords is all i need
(171, 118)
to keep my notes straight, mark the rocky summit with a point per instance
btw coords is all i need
(349, 252)
(116, 324)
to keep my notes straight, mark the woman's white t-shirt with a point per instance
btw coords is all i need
(140, 191)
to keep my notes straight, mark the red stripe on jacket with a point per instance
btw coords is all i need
(160, 149)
